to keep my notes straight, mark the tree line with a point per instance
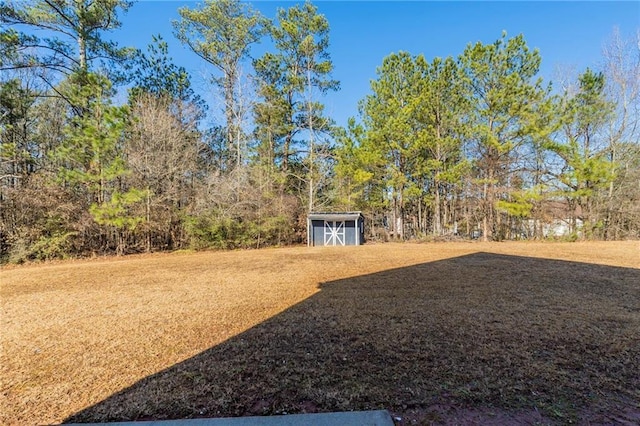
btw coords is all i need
(469, 146)
(480, 145)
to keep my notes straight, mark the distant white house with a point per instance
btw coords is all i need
(555, 228)
(560, 228)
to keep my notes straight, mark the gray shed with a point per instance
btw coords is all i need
(335, 229)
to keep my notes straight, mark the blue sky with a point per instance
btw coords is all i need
(569, 35)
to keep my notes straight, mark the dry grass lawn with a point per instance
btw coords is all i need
(427, 331)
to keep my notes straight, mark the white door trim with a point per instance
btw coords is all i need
(334, 233)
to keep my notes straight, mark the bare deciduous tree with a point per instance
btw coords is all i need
(161, 152)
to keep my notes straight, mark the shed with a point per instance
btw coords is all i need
(335, 229)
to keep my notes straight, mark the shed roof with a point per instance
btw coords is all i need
(335, 216)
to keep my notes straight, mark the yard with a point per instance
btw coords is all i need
(436, 333)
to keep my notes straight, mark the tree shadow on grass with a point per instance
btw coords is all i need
(481, 330)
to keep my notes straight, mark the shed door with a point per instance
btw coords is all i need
(334, 233)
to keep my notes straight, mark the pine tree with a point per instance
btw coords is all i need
(221, 32)
(75, 27)
(390, 119)
(586, 167)
(499, 81)
(291, 81)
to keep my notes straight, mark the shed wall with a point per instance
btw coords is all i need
(318, 232)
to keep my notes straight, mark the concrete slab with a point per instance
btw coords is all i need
(348, 418)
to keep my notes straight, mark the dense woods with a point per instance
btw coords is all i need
(473, 146)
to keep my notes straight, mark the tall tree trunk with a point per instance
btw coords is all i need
(311, 149)
(228, 110)
(485, 213)
(437, 222)
(419, 216)
(394, 226)
(148, 218)
(437, 213)
(285, 153)
(400, 216)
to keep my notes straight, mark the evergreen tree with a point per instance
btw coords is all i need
(440, 108)
(291, 80)
(390, 119)
(499, 81)
(221, 32)
(157, 74)
(586, 167)
(76, 28)
(90, 158)
(17, 158)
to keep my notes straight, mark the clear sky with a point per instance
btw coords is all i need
(569, 35)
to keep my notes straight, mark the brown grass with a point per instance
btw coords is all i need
(411, 328)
